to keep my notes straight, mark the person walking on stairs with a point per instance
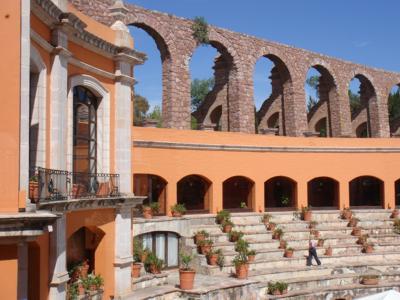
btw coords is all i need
(312, 252)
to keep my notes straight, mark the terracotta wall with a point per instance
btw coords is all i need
(9, 271)
(217, 166)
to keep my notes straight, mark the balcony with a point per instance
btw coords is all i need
(50, 185)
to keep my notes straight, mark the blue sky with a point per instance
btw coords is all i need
(362, 31)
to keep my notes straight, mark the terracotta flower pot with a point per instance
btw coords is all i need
(205, 249)
(328, 251)
(266, 222)
(356, 231)
(34, 191)
(147, 212)
(368, 249)
(227, 228)
(347, 215)
(276, 236)
(199, 237)
(136, 270)
(81, 289)
(276, 292)
(395, 214)
(271, 226)
(176, 214)
(186, 279)
(282, 244)
(241, 271)
(307, 215)
(234, 238)
(143, 257)
(154, 270)
(251, 258)
(320, 243)
(93, 287)
(370, 281)
(288, 254)
(352, 223)
(212, 259)
(284, 292)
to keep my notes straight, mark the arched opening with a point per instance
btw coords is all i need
(33, 269)
(366, 191)
(210, 68)
(153, 187)
(280, 193)
(194, 192)
(323, 192)
(238, 193)
(165, 245)
(394, 111)
(272, 85)
(152, 89)
(82, 245)
(397, 192)
(320, 94)
(363, 107)
(37, 111)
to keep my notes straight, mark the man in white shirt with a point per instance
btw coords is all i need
(312, 252)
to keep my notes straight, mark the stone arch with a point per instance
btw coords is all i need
(366, 191)
(280, 192)
(154, 187)
(280, 98)
(368, 111)
(328, 101)
(37, 110)
(103, 120)
(237, 190)
(394, 111)
(323, 192)
(194, 191)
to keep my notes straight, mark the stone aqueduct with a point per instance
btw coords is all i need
(231, 100)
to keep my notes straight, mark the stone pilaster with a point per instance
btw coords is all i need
(58, 92)
(58, 260)
(295, 110)
(22, 271)
(123, 250)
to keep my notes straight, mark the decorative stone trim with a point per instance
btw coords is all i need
(209, 147)
(122, 262)
(59, 279)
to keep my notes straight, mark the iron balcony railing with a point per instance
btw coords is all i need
(54, 185)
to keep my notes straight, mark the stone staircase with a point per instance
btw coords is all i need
(339, 273)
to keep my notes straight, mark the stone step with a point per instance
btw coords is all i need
(149, 280)
(301, 261)
(165, 292)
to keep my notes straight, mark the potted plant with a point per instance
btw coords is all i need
(240, 263)
(251, 255)
(368, 247)
(329, 251)
(282, 244)
(153, 264)
(266, 218)
(395, 214)
(288, 252)
(93, 282)
(212, 257)
(223, 215)
(242, 246)
(306, 213)
(312, 224)
(396, 226)
(353, 222)
(321, 242)
(227, 225)
(235, 235)
(346, 213)
(84, 268)
(277, 234)
(356, 231)
(205, 246)
(178, 210)
(149, 210)
(137, 253)
(315, 233)
(362, 239)
(144, 254)
(273, 288)
(34, 189)
(73, 292)
(282, 287)
(370, 279)
(186, 274)
(80, 287)
(221, 258)
(200, 235)
(271, 226)
(243, 205)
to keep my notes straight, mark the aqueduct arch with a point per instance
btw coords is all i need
(245, 50)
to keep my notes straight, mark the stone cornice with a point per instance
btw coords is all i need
(239, 148)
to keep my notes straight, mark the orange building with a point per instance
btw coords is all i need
(74, 168)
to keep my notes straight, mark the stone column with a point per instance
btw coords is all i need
(22, 271)
(58, 92)
(344, 194)
(123, 250)
(123, 122)
(295, 110)
(24, 101)
(58, 260)
(339, 107)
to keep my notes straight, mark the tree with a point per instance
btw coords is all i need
(311, 103)
(141, 107)
(313, 82)
(394, 105)
(199, 90)
(355, 103)
(156, 115)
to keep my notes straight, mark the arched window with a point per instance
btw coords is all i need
(366, 191)
(84, 131)
(323, 192)
(164, 244)
(193, 192)
(280, 193)
(152, 186)
(238, 193)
